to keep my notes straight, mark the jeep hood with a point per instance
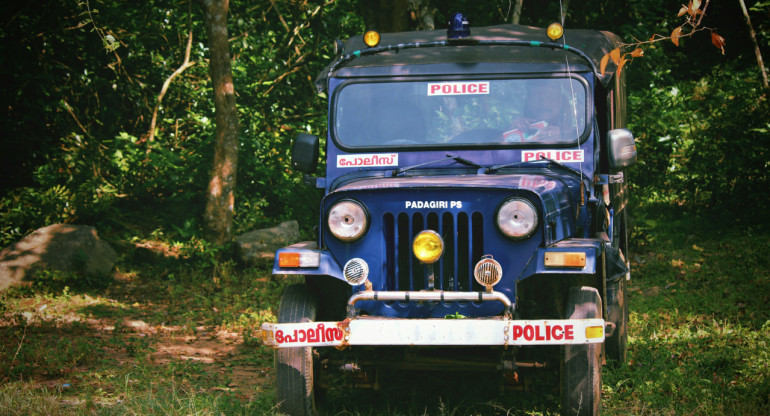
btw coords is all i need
(559, 194)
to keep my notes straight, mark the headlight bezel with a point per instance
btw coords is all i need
(512, 234)
(365, 216)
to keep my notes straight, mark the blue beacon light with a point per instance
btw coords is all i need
(459, 27)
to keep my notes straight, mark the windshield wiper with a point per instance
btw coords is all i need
(492, 169)
(457, 159)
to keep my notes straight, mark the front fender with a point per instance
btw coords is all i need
(323, 263)
(593, 249)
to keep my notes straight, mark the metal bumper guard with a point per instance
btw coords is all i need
(435, 332)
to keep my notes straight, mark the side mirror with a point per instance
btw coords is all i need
(622, 148)
(304, 154)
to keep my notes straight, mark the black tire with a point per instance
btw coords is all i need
(581, 365)
(616, 346)
(294, 379)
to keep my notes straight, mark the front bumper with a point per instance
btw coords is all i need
(433, 332)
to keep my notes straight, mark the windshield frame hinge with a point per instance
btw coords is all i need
(315, 181)
(606, 179)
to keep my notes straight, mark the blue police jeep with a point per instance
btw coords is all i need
(468, 175)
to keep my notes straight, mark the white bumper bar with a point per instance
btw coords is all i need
(436, 332)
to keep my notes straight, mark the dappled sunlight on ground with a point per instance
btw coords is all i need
(81, 345)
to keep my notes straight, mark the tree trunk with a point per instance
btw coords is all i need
(757, 52)
(422, 14)
(385, 15)
(517, 12)
(220, 197)
(564, 7)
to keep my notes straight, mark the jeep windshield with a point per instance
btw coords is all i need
(487, 112)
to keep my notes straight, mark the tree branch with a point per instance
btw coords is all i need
(72, 113)
(185, 64)
(757, 52)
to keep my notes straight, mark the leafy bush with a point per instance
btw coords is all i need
(29, 208)
(706, 143)
(726, 154)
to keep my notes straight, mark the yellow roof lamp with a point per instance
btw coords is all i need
(371, 38)
(555, 31)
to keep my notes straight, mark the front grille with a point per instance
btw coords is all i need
(463, 237)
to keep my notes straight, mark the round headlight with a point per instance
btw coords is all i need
(428, 246)
(517, 218)
(347, 220)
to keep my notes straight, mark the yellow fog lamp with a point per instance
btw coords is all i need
(371, 38)
(594, 332)
(428, 246)
(555, 31)
(564, 259)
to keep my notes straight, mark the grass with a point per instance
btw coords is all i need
(175, 337)
(700, 325)
(163, 338)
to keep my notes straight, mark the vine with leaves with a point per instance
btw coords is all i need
(693, 14)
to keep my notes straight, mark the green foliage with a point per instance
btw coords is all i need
(55, 281)
(88, 83)
(82, 80)
(706, 145)
(28, 208)
(726, 155)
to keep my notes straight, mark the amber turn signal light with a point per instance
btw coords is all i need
(564, 259)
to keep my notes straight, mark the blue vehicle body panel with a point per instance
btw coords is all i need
(458, 201)
(450, 199)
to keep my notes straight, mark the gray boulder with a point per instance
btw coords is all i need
(71, 248)
(258, 246)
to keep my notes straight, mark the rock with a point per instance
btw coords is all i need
(259, 246)
(71, 248)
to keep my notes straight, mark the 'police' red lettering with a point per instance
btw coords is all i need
(575, 155)
(459, 88)
(543, 332)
